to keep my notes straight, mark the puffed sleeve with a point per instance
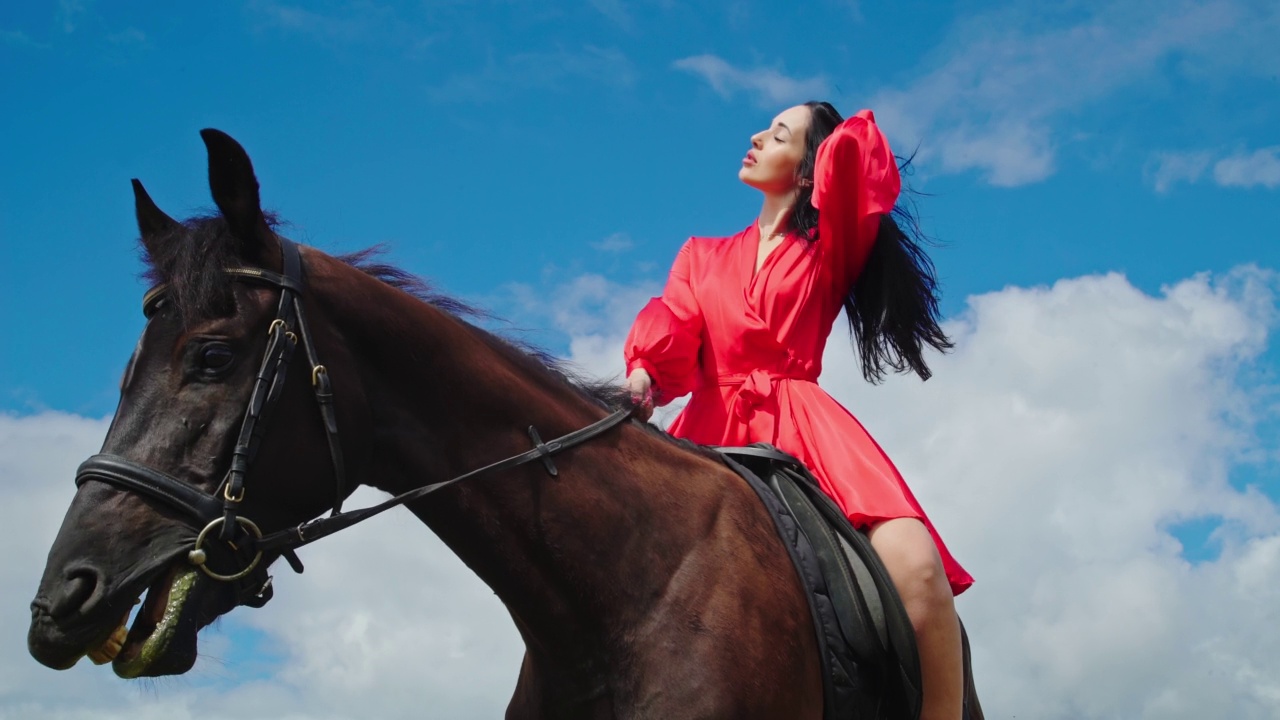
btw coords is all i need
(667, 334)
(855, 182)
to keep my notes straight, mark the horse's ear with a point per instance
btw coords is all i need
(235, 191)
(153, 224)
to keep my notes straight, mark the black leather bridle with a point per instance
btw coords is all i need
(221, 511)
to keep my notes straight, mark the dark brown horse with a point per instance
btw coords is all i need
(645, 578)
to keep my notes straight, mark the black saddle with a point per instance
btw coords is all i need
(870, 663)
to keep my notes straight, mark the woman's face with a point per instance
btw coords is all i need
(770, 165)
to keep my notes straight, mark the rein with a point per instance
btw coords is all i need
(221, 510)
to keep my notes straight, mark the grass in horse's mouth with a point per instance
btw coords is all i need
(154, 625)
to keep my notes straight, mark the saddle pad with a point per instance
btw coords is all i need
(871, 668)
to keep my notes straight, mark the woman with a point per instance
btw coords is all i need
(742, 324)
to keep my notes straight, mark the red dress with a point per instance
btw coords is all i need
(749, 345)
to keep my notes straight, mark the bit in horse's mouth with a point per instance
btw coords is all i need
(162, 616)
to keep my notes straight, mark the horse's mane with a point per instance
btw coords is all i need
(524, 355)
(604, 393)
(192, 266)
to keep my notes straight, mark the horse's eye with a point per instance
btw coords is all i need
(216, 356)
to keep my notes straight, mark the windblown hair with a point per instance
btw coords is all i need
(893, 305)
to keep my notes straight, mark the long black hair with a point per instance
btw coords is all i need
(893, 305)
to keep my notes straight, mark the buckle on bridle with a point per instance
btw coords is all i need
(226, 494)
(279, 323)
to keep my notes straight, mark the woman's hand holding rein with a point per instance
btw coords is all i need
(640, 385)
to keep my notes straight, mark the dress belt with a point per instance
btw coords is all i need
(756, 387)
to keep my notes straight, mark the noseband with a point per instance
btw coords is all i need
(220, 511)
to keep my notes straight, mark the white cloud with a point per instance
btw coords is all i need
(588, 306)
(1169, 168)
(1001, 94)
(1071, 427)
(616, 243)
(1244, 169)
(767, 86)
(1015, 153)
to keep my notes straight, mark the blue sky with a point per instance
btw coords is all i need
(488, 143)
(528, 156)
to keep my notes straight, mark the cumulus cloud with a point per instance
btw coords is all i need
(766, 86)
(1000, 94)
(1056, 448)
(1081, 422)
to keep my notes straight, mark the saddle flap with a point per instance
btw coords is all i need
(877, 634)
(896, 651)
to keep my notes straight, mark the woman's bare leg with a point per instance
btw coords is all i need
(908, 552)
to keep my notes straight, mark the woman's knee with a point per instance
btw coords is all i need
(909, 554)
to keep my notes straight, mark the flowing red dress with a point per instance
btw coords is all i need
(749, 345)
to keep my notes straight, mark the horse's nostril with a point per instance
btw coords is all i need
(79, 594)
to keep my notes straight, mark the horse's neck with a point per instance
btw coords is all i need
(443, 402)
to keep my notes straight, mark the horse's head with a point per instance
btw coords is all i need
(180, 456)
